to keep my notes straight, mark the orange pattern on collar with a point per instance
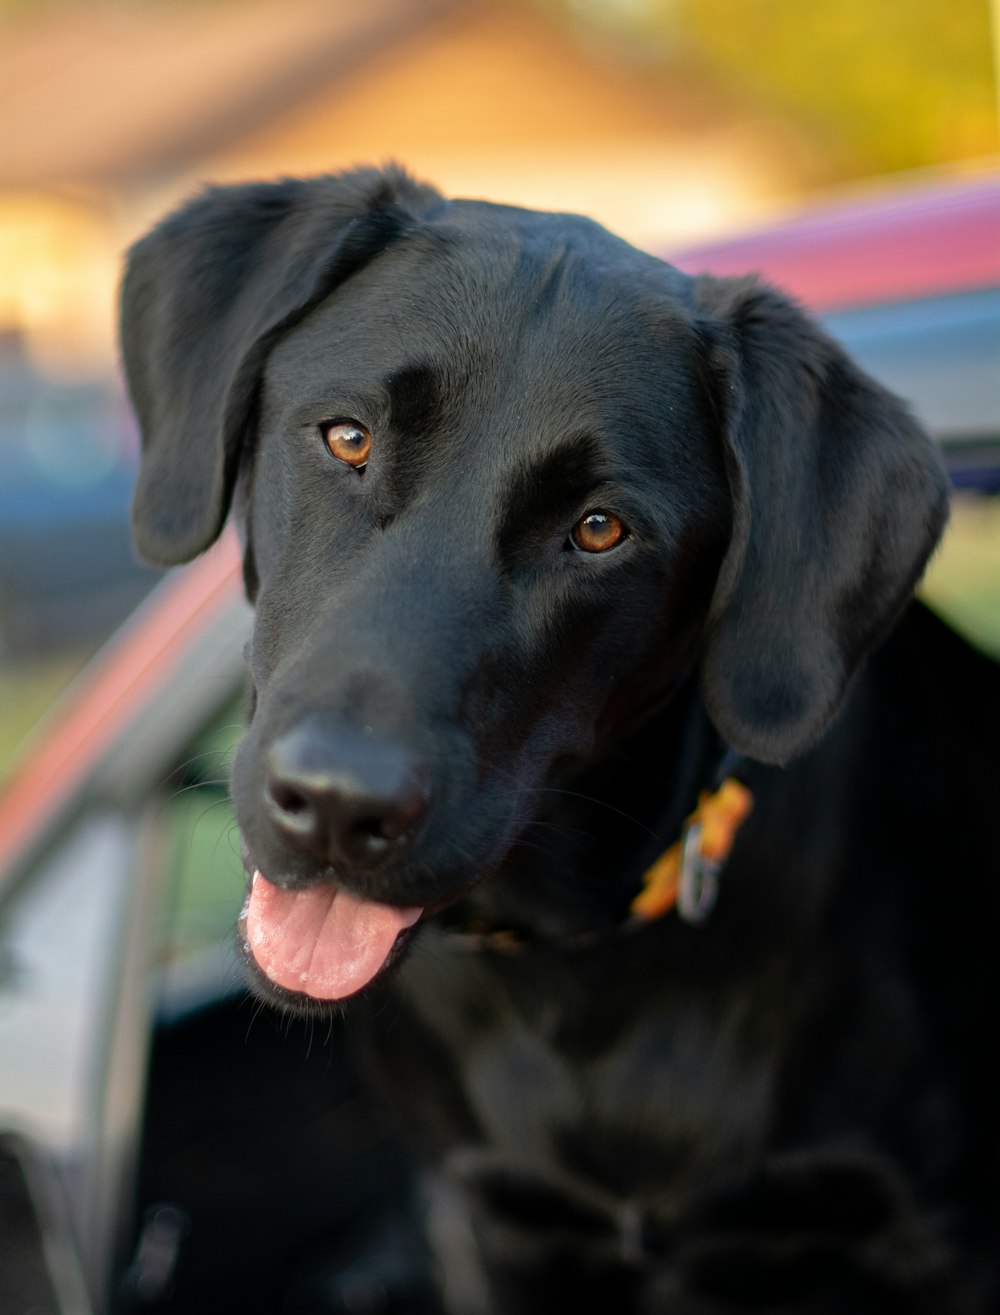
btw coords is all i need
(719, 817)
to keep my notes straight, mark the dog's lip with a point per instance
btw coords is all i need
(322, 941)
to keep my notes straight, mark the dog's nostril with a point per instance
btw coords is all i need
(364, 843)
(394, 827)
(288, 799)
(372, 828)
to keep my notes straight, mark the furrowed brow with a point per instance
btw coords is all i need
(414, 399)
(415, 396)
(552, 489)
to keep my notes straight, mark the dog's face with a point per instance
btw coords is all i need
(522, 545)
(502, 481)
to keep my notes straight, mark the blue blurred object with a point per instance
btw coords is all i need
(942, 354)
(68, 573)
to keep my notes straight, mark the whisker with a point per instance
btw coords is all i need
(591, 800)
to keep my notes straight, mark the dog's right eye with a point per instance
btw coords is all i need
(347, 440)
(598, 531)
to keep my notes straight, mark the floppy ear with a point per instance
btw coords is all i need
(838, 500)
(204, 297)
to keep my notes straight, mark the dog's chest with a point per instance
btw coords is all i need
(575, 1079)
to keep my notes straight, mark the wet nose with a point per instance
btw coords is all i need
(344, 797)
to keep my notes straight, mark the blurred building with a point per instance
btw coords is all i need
(110, 113)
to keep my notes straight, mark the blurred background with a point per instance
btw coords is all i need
(671, 121)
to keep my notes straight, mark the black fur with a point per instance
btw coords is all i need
(792, 1106)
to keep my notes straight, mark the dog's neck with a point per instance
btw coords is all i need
(577, 868)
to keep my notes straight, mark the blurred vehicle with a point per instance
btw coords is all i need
(910, 283)
(166, 1146)
(68, 574)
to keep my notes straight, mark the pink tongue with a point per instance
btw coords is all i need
(322, 941)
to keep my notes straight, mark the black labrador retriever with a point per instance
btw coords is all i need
(578, 745)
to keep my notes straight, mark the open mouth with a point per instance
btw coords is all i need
(322, 942)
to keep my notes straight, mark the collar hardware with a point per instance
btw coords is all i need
(686, 876)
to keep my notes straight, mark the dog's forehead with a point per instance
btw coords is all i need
(488, 298)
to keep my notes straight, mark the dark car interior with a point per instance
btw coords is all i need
(269, 1181)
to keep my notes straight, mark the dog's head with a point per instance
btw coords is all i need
(502, 481)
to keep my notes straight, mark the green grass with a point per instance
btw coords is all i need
(963, 582)
(27, 691)
(207, 881)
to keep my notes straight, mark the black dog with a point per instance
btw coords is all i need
(564, 564)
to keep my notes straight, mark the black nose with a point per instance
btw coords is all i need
(342, 796)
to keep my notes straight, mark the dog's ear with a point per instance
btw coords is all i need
(204, 297)
(838, 500)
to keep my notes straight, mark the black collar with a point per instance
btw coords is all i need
(683, 879)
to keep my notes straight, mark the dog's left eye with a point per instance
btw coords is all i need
(598, 531)
(347, 440)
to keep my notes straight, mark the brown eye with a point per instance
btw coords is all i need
(348, 441)
(597, 532)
